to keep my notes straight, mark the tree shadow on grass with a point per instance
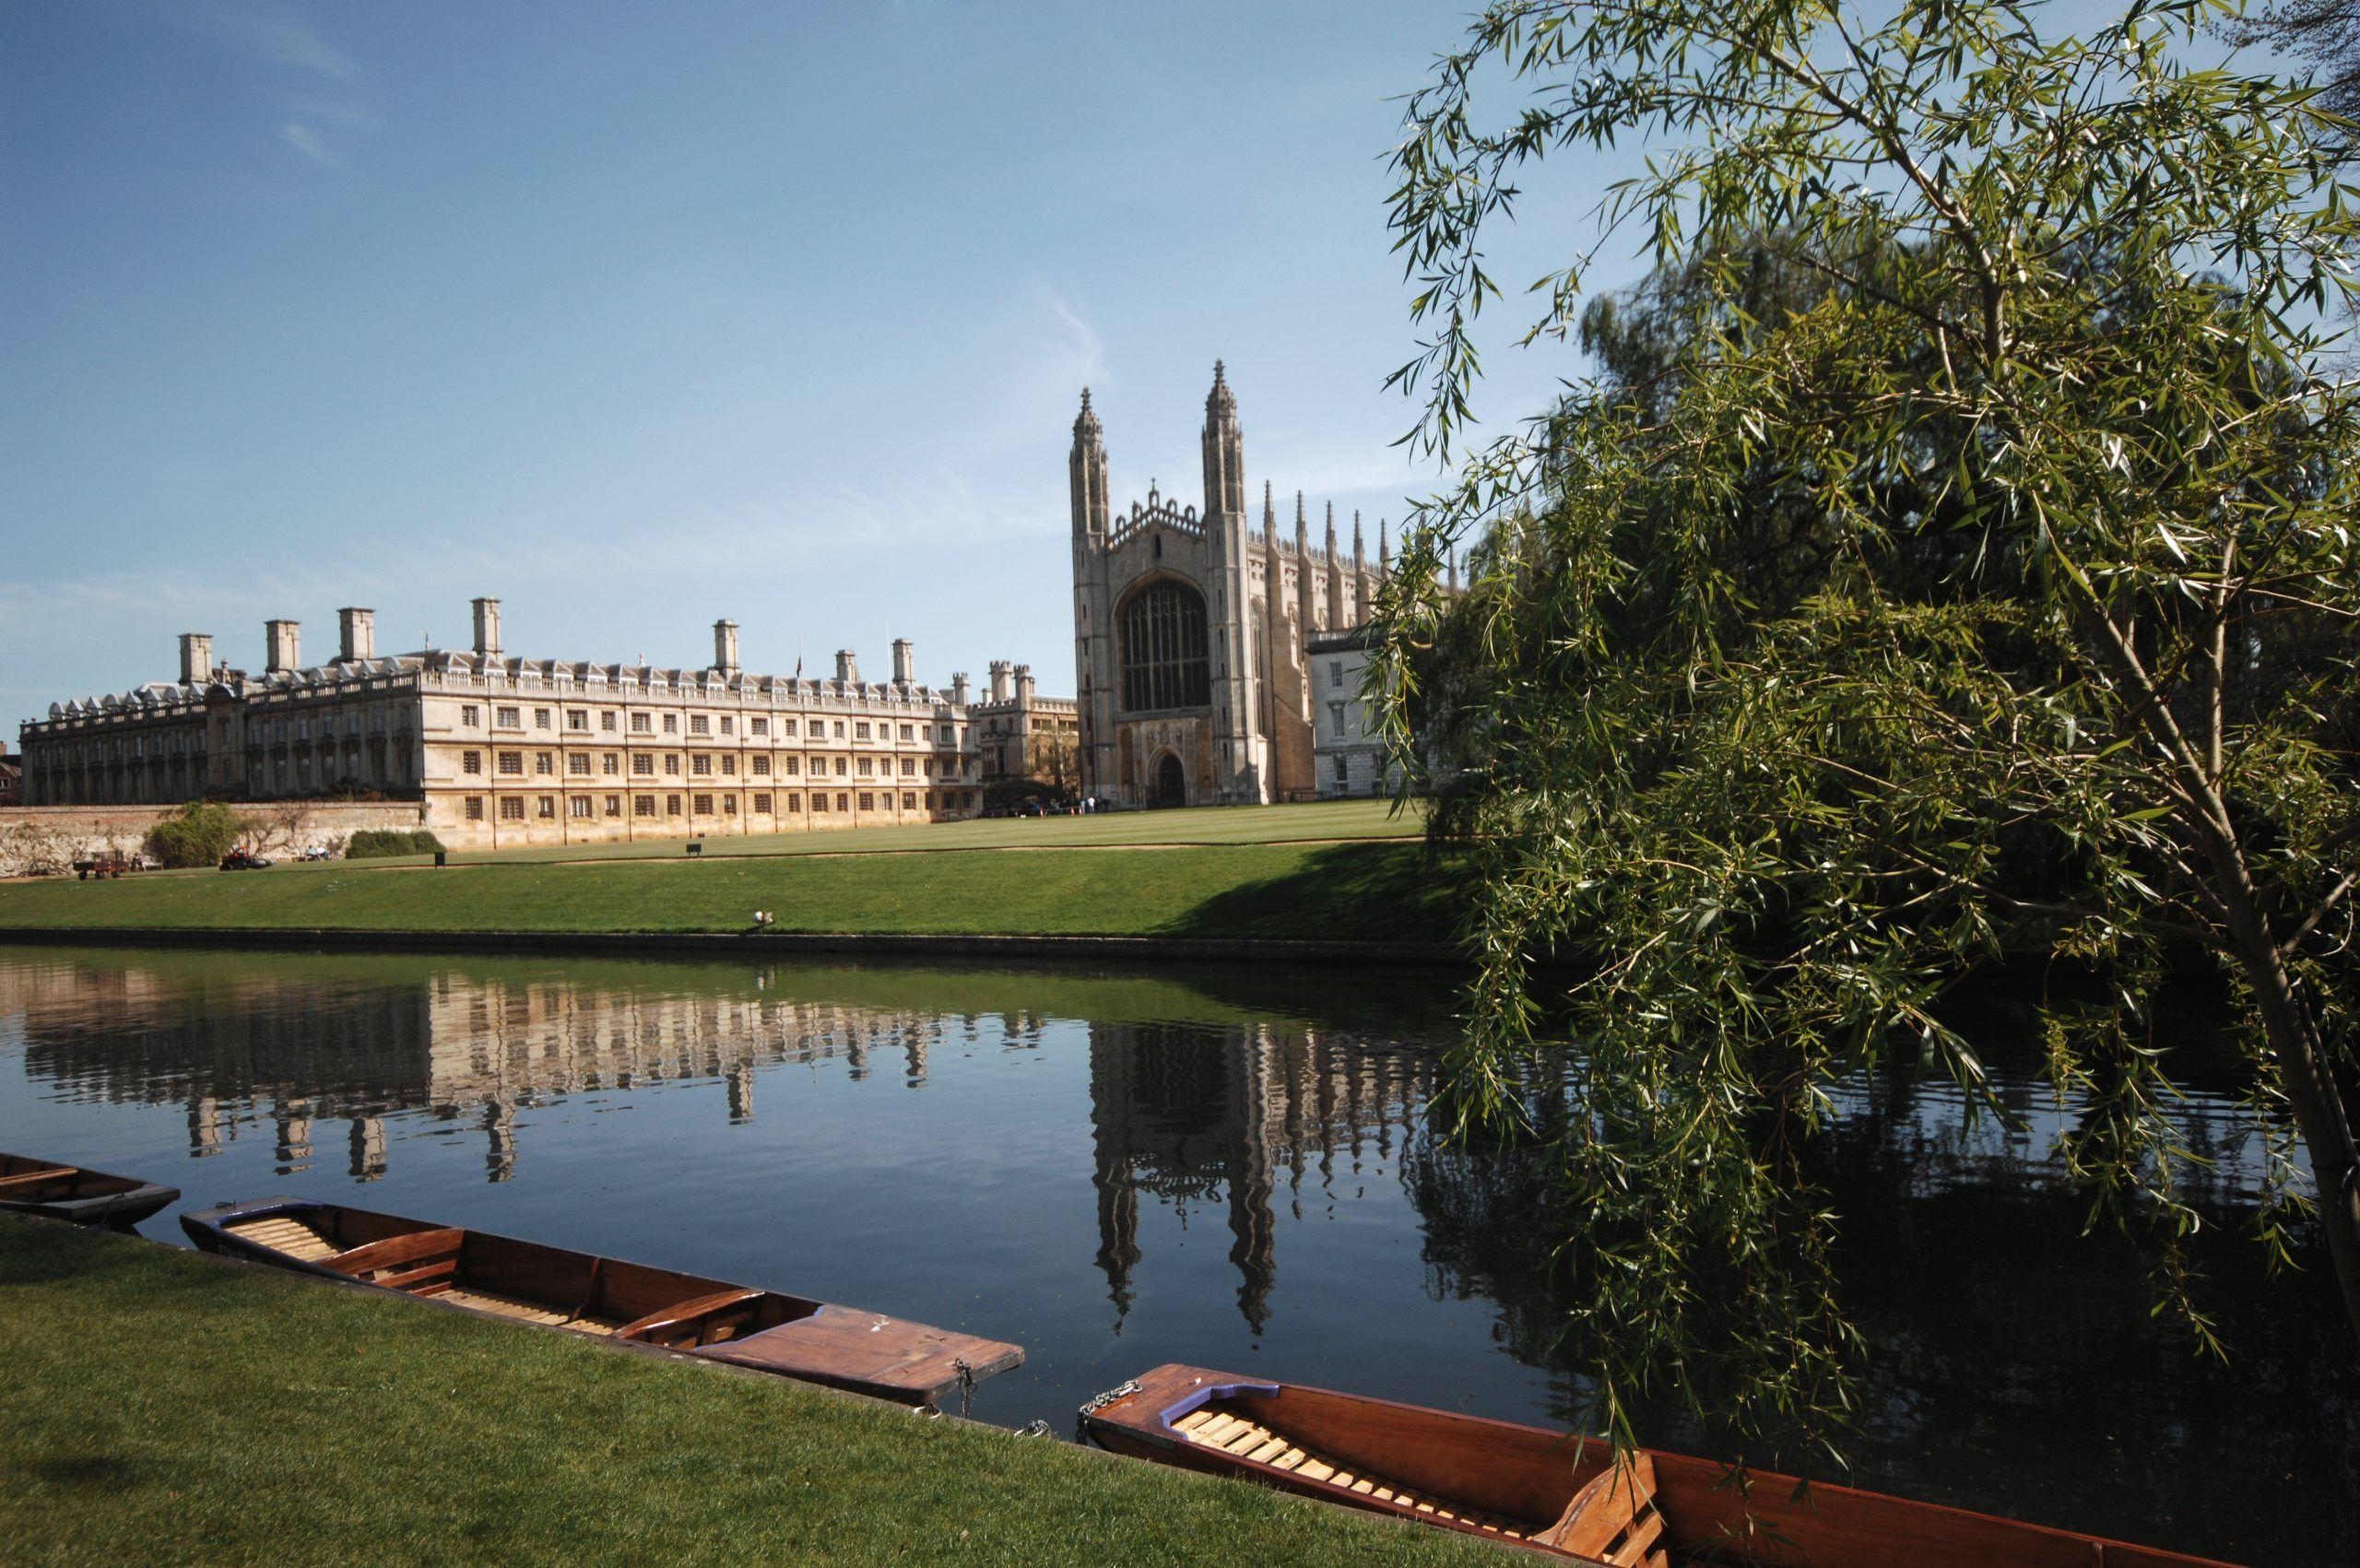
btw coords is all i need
(1349, 892)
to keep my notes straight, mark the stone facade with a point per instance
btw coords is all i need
(1018, 734)
(1351, 757)
(1190, 629)
(499, 751)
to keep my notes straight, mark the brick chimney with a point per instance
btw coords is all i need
(282, 645)
(357, 634)
(488, 628)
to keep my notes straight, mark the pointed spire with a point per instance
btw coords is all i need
(1331, 530)
(1086, 427)
(1220, 402)
(1299, 524)
(1454, 569)
(1269, 517)
(1358, 552)
(1384, 546)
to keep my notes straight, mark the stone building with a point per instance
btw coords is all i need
(1020, 735)
(1350, 755)
(1190, 629)
(503, 750)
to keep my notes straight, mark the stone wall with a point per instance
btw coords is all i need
(47, 840)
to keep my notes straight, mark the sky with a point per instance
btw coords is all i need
(637, 317)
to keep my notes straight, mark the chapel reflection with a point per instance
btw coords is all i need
(1192, 1116)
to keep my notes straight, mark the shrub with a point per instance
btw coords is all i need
(199, 834)
(376, 843)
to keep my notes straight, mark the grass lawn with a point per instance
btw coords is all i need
(1309, 823)
(1377, 890)
(158, 1408)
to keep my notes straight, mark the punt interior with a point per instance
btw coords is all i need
(523, 1280)
(26, 1180)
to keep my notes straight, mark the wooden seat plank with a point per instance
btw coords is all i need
(1251, 1440)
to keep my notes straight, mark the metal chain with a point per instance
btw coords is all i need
(1099, 1401)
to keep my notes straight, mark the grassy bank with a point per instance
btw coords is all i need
(156, 1407)
(1363, 891)
(1316, 822)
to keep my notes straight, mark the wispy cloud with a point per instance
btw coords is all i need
(278, 36)
(275, 34)
(305, 140)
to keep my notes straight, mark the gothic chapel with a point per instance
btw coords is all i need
(1189, 629)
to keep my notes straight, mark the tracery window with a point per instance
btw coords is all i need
(1163, 649)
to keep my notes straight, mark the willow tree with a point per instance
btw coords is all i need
(1981, 584)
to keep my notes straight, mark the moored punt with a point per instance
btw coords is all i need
(30, 1186)
(1557, 1495)
(524, 1281)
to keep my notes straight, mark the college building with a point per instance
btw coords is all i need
(1216, 662)
(1193, 632)
(501, 750)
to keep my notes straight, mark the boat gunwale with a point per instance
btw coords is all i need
(136, 1199)
(1176, 1448)
(210, 1230)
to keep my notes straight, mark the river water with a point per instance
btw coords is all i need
(1119, 1169)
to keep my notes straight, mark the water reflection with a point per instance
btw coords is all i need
(1194, 1119)
(1236, 1171)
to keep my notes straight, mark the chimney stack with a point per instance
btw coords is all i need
(847, 667)
(958, 689)
(358, 634)
(724, 647)
(282, 645)
(1001, 688)
(904, 662)
(196, 657)
(488, 628)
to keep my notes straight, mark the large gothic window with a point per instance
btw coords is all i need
(1163, 649)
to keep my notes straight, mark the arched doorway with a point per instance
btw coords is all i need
(1171, 781)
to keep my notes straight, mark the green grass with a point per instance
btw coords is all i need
(156, 1407)
(1309, 823)
(1366, 891)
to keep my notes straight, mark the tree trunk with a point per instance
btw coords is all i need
(2321, 1115)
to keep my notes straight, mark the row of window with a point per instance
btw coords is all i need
(511, 765)
(584, 807)
(577, 722)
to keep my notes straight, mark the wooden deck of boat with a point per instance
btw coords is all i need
(1216, 1427)
(285, 1234)
(289, 1234)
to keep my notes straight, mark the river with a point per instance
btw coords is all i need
(1122, 1168)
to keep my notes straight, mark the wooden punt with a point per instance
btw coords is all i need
(30, 1186)
(867, 1352)
(1549, 1493)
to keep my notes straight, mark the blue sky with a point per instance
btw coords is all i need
(641, 317)
(638, 316)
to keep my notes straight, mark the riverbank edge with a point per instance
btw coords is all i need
(1074, 1526)
(1440, 957)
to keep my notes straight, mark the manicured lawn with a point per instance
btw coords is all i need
(1309, 823)
(156, 1407)
(1371, 892)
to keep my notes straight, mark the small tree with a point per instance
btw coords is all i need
(196, 834)
(1963, 561)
